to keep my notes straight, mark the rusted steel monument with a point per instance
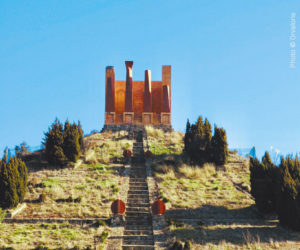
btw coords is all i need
(137, 103)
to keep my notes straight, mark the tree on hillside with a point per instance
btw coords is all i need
(289, 193)
(263, 179)
(71, 145)
(219, 146)
(188, 138)
(13, 181)
(80, 131)
(22, 149)
(53, 142)
(207, 141)
(201, 146)
(63, 143)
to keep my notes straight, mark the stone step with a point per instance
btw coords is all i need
(138, 209)
(138, 192)
(134, 204)
(137, 213)
(138, 184)
(138, 232)
(131, 198)
(139, 227)
(139, 188)
(138, 220)
(138, 199)
(137, 179)
(138, 240)
(138, 247)
(137, 175)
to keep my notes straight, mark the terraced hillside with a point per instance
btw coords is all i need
(212, 206)
(81, 194)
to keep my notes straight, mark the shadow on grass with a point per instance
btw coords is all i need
(216, 224)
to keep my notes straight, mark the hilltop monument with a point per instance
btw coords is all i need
(137, 103)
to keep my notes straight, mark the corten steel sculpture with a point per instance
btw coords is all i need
(138, 102)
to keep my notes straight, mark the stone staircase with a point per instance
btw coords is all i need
(138, 231)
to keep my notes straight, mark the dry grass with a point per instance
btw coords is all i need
(94, 184)
(196, 172)
(103, 147)
(214, 207)
(164, 143)
(28, 236)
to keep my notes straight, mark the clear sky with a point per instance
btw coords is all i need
(230, 63)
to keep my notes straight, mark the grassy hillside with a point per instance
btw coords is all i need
(82, 190)
(211, 205)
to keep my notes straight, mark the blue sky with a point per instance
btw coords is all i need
(230, 63)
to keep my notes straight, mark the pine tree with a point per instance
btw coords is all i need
(289, 193)
(22, 181)
(53, 142)
(13, 181)
(198, 142)
(80, 131)
(188, 138)
(219, 146)
(208, 138)
(263, 179)
(71, 146)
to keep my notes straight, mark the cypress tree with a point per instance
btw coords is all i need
(13, 181)
(188, 138)
(80, 131)
(208, 138)
(53, 142)
(220, 146)
(263, 179)
(289, 198)
(71, 146)
(22, 181)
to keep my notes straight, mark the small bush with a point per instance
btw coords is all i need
(103, 236)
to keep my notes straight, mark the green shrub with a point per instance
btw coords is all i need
(202, 147)
(63, 143)
(13, 181)
(53, 142)
(103, 236)
(219, 146)
(263, 179)
(289, 193)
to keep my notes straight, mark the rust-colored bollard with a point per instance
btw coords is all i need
(118, 207)
(148, 154)
(158, 207)
(127, 153)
